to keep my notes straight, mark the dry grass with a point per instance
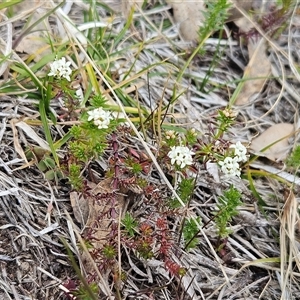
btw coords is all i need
(261, 260)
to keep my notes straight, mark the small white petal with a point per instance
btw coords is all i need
(181, 155)
(60, 68)
(100, 117)
(230, 167)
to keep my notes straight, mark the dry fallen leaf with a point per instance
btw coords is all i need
(259, 66)
(17, 145)
(31, 133)
(86, 209)
(81, 207)
(274, 133)
(91, 213)
(256, 72)
(128, 5)
(237, 7)
(189, 15)
(257, 8)
(124, 6)
(34, 43)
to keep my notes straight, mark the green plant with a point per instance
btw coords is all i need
(109, 252)
(293, 160)
(227, 209)
(92, 132)
(45, 163)
(74, 175)
(190, 230)
(215, 16)
(82, 294)
(185, 190)
(130, 224)
(214, 19)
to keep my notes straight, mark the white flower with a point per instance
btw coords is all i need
(79, 94)
(95, 114)
(60, 68)
(181, 155)
(170, 134)
(100, 117)
(229, 113)
(230, 167)
(240, 151)
(102, 123)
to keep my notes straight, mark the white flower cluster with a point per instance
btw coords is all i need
(60, 68)
(181, 155)
(170, 134)
(100, 117)
(230, 166)
(240, 152)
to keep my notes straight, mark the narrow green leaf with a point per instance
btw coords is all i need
(78, 272)
(46, 127)
(255, 193)
(9, 3)
(93, 78)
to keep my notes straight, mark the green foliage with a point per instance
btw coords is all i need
(191, 136)
(44, 162)
(184, 191)
(82, 294)
(225, 119)
(190, 230)
(75, 177)
(9, 3)
(145, 250)
(76, 132)
(109, 252)
(44, 109)
(135, 167)
(88, 245)
(227, 208)
(130, 224)
(214, 17)
(98, 101)
(171, 138)
(54, 174)
(286, 4)
(88, 141)
(293, 160)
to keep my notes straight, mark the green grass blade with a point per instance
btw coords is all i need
(255, 193)
(93, 78)
(42, 110)
(9, 3)
(78, 272)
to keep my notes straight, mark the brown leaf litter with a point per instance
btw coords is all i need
(275, 139)
(88, 210)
